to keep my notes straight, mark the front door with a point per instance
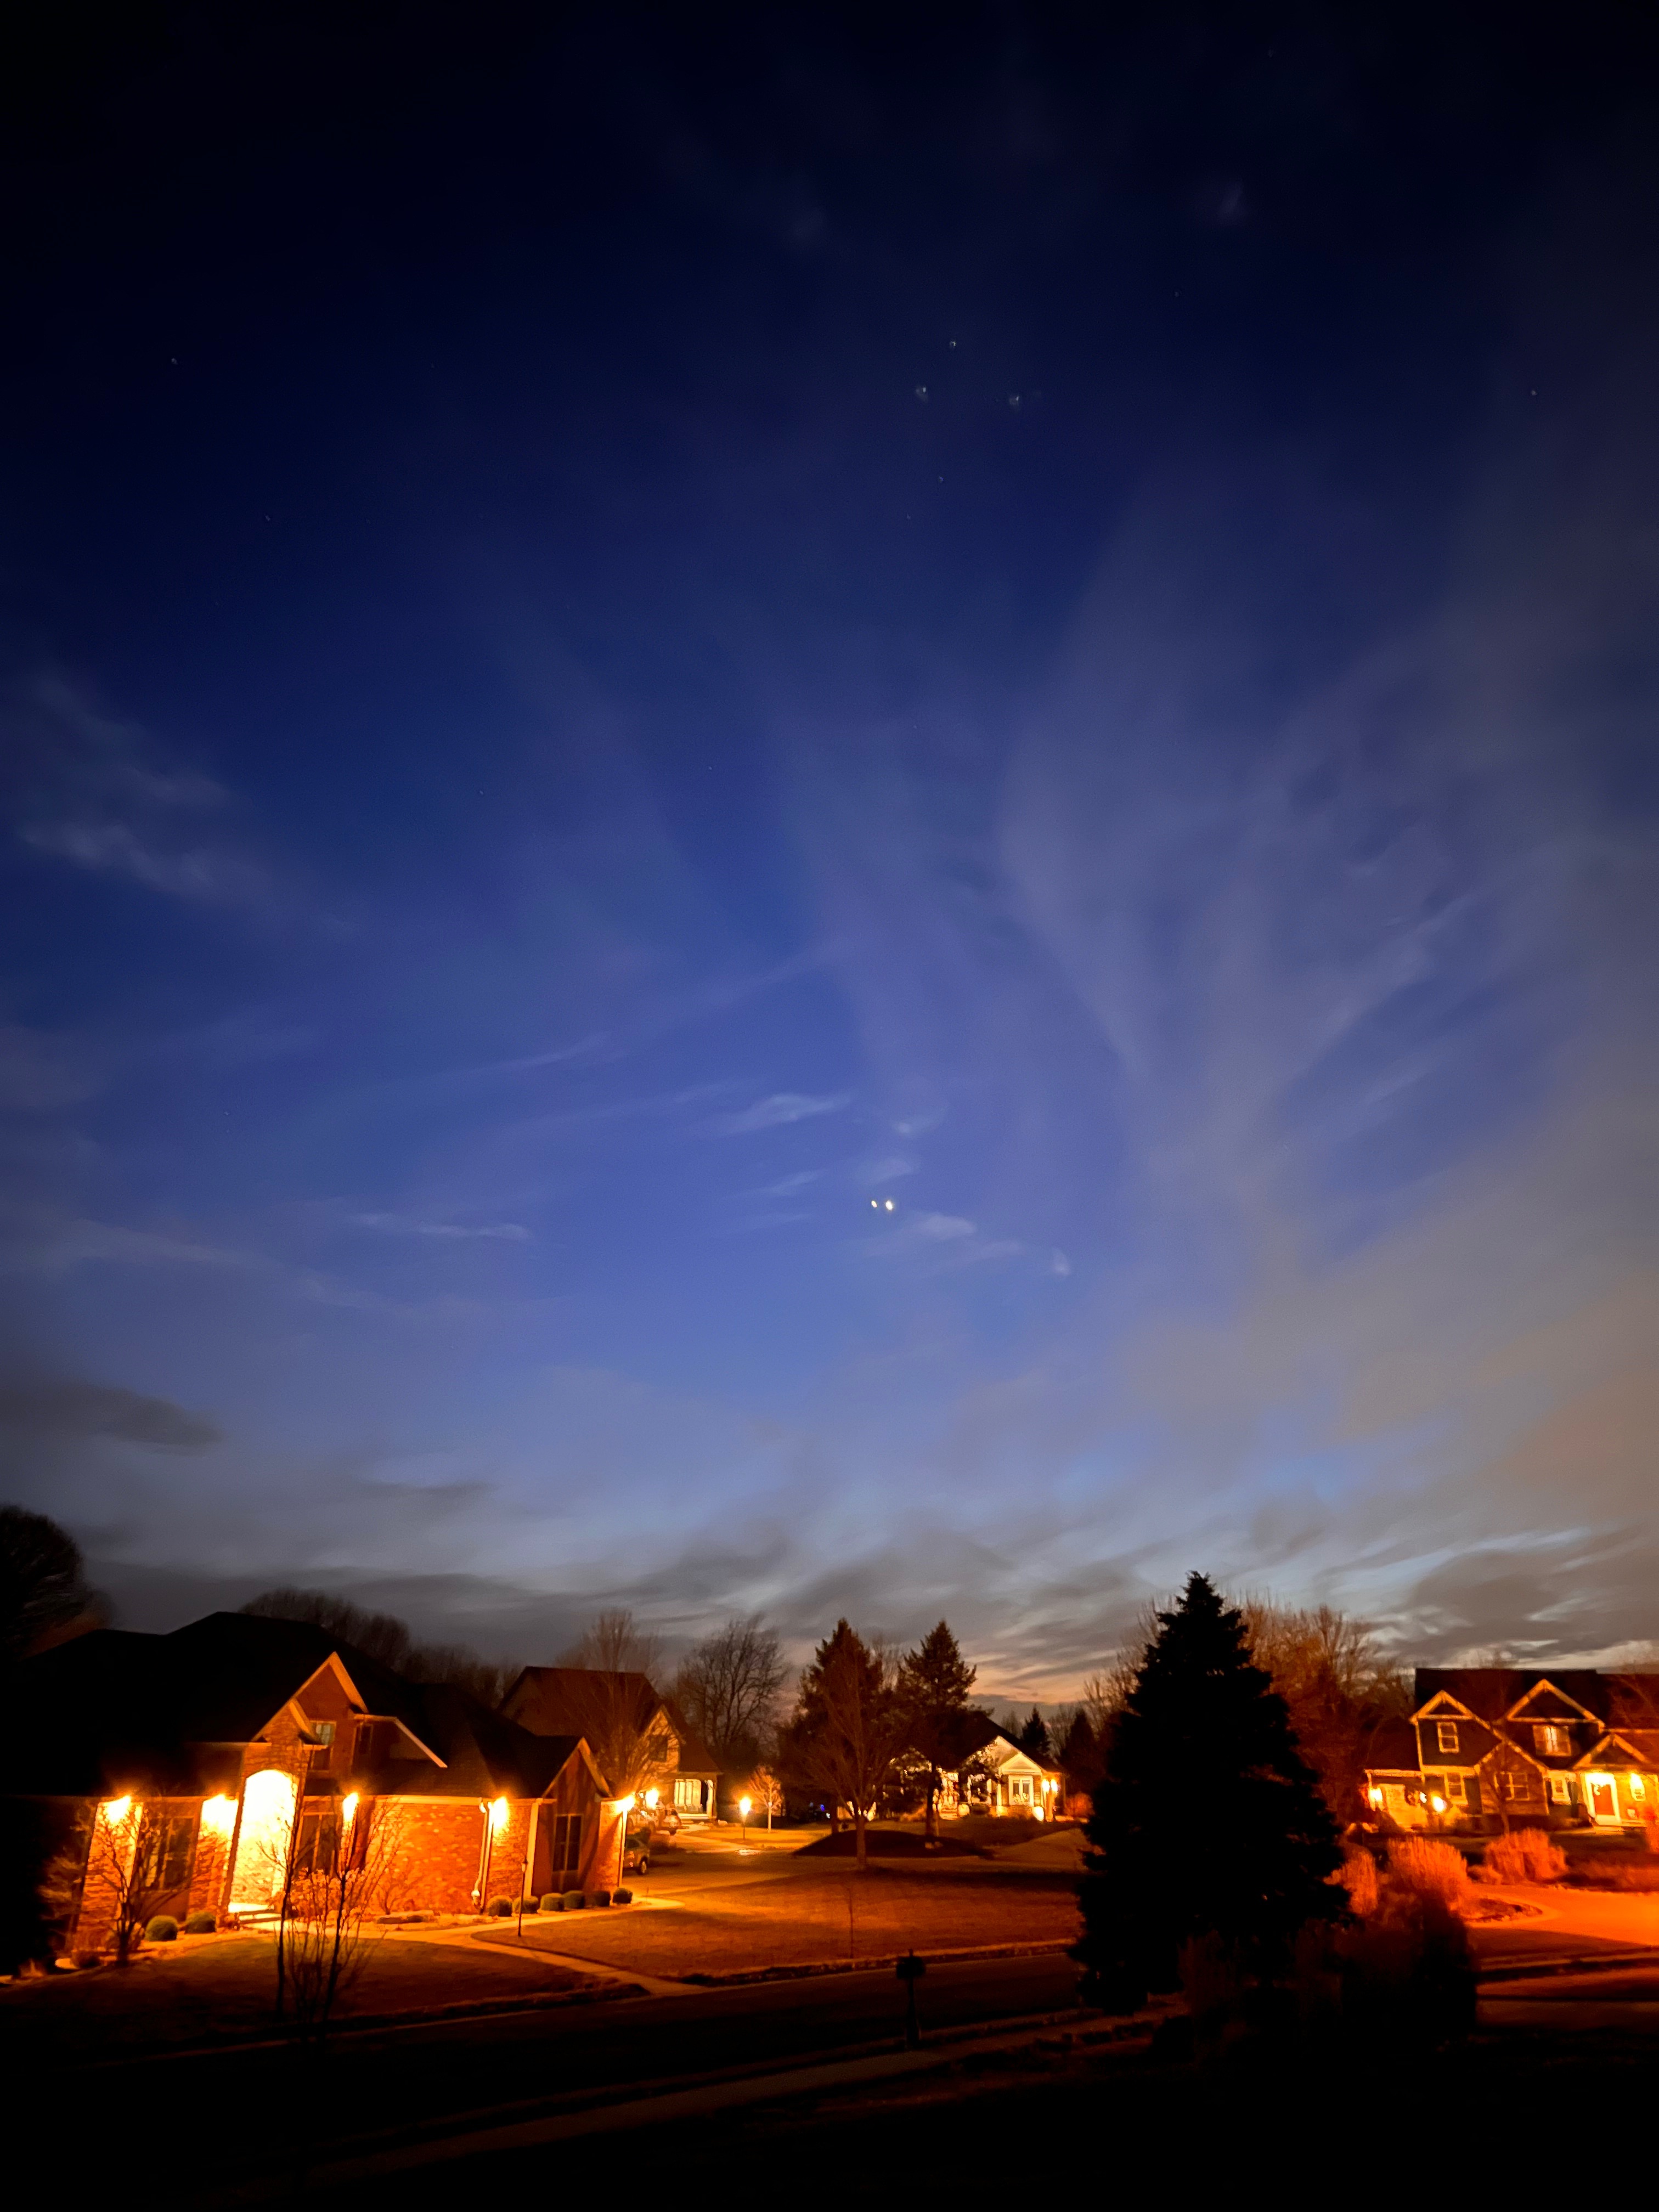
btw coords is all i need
(1601, 1796)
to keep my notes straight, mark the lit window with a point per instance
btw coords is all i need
(1445, 1736)
(1551, 1741)
(1638, 1787)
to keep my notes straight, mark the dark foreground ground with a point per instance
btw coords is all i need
(593, 2068)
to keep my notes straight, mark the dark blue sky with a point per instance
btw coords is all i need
(835, 815)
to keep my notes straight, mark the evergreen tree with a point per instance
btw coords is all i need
(1079, 1755)
(847, 1728)
(1207, 1821)
(1032, 1737)
(933, 1683)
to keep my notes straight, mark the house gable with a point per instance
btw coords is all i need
(1544, 1702)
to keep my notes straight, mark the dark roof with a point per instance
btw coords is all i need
(171, 1715)
(235, 1670)
(585, 1701)
(483, 1756)
(695, 1758)
(1392, 1749)
(1489, 1691)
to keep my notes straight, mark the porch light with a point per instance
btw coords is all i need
(1638, 1787)
(651, 1797)
(627, 1804)
(1436, 1804)
(219, 1815)
(116, 1809)
(348, 1809)
(497, 1815)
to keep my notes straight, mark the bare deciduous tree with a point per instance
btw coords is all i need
(346, 1875)
(1338, 1684)
(391, 1642)
(616, 1707)
(727, 1689)
(43, 1591)
(115, 1872)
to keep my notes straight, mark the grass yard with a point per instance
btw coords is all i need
(826, 1914)
(219, 1988)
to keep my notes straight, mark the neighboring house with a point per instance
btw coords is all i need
(998, 1777)
(639, 1738)
(238, 1747)
(1540, 1747)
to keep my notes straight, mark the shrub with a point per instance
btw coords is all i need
(202, 1923)
(600, 1897)
(621, 1897)
(573, 1900)
(164, 1928)
(1407, 1973)
(553, 1902)
(500, 1908)
(1528, 1855)
(1357, 1875)
(1431, 1870)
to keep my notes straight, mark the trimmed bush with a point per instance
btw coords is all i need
(600, 1897)
(1430, 1870)
(621, 1897)
(202, 1923)
(164, 1928)
(573, 1900)
(1527, 1855)
(500, 1908)
(553, 1902)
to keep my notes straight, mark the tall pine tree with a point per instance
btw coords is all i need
(1206, 1820)
(933, 1683)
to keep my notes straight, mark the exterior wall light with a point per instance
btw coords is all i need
(497, 1815)
(116, 1810)
(219, 1815)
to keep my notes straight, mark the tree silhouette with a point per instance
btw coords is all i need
(933, 1683)
(847, 1728)
(1032, 1737)
(1207, 1823)
(43, 1590)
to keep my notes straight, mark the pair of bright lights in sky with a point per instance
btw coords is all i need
(882, 1204)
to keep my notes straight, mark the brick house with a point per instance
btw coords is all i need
(631, 1728)
(1566, 1746)
(218, 1755)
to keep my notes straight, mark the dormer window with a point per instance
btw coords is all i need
(1551, 1740)
(1445, 1737)
(324, 1755)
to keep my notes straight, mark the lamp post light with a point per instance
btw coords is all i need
(745, 1806)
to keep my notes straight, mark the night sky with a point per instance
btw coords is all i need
(835, 814)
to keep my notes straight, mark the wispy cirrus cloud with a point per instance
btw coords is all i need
(404, 1224)
(780, 1110)
(100, 795)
